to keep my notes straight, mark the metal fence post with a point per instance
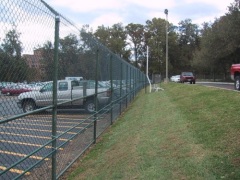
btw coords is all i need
(135, 82)
(126, 86)
(111, 80)
(95, 98)
(130, 72)
(54, 113)
(121, 74)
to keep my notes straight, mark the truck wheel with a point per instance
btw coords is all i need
(89, 106)
(237, 83)
(29, 106)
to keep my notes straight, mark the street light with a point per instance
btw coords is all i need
(166, 12)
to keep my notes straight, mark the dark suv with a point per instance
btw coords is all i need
(187, 77)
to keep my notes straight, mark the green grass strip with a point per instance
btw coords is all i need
(183, 132)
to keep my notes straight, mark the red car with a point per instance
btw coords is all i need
(15, 90)
(235, 75)
(187, 77)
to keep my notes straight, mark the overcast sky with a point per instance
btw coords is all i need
(109, 12)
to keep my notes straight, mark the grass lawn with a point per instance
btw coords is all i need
(184, 132)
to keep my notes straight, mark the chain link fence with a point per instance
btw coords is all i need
(60, 89)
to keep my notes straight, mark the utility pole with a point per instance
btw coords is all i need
(166, 12)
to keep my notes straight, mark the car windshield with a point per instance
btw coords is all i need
(187, 74)
(91, 84)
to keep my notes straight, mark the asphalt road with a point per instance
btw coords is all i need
(224, 85)
(23, 136)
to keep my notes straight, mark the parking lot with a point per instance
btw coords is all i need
(20, 138)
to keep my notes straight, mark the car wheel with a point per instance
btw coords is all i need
(29, 106)
(237, 83)
(89, 106)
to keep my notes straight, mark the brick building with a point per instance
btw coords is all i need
(34, 61)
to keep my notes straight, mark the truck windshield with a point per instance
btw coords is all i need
(47, 87)
(91, 84)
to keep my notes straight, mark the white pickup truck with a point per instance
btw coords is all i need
(70, 94)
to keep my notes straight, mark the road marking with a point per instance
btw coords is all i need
(23, 155)
(72, 117)
(27, 135)
(40, 130)
(223, 88)
(27, 144)
(14, 170)
(45, 125)
(74, 123)
(69, 118)
(62, 122)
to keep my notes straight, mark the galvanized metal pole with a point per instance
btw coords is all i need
(147, 73)
(166, 12)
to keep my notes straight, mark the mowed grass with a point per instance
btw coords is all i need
(183, 132)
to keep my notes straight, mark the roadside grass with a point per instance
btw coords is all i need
(183, 132)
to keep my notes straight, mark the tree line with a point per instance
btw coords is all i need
(208, 50)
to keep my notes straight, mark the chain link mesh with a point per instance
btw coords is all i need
(45, 62)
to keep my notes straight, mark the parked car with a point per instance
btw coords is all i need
(15, 89)
(187, 77)
(175, 78)
(67, 91)
(35, 86)
(235, 75)
(2, 85)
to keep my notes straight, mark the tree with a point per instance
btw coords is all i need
(157, 42)
(12, 45)
(118, 41)
(115, 38)
(189, 41)
(219, 46)
(48, 60)
(103, 35)
(69, 56)
(13, 66)
(155, 38)
(136, 36)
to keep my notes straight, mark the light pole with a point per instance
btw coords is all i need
(166, 12)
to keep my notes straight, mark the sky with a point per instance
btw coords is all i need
(108, 12)
(104, 12)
